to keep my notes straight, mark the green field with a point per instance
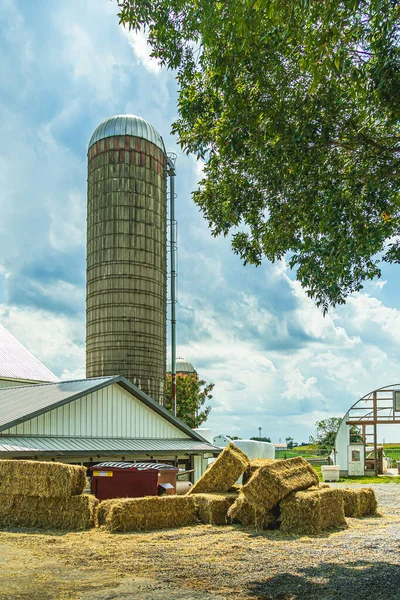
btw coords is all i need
(391, 450)
(306, 451)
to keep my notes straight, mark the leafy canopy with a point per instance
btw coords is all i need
(293, 105)
(191, 395)
(327, 429)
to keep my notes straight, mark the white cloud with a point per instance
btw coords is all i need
(57, 341)
(298, 387)
(138, 41)
(87, 63)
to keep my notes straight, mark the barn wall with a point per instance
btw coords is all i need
(109, 412)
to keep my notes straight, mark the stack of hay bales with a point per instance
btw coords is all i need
(271, 482)
(282, 493)
(150, 512)
(44, 495)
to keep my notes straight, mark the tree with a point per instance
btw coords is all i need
(191, 395)
(261, 439)
(326, 433)
(289, 443)
(294, 108)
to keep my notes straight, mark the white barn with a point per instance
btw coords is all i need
(94, 420)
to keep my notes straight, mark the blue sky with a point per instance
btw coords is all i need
(276, 362)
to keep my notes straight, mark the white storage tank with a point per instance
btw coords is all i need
(206, 433)
(255, 449)
(252, 448)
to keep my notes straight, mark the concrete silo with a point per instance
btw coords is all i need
(126, 254)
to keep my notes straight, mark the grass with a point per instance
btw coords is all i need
(362, 480)
(368, 480)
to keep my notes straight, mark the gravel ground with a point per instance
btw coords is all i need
(215, 563)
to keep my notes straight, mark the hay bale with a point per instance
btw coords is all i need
(359, 502)
(273, 482)
(151, 512)
(213, 508)
(243, 512)
(76, 512)
(312, 512)
(255, 464)
(223, 472)
(103, 510)
(41, 479)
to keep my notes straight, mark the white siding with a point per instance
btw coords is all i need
(200, 464)
(109, 412)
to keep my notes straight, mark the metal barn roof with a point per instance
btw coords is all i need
(16, 362)
(127, 125)
(21, 403)
(88, 446)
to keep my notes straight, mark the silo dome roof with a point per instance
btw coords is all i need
(127, 125)
(182, 366)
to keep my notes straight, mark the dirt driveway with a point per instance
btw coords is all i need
(208, 563)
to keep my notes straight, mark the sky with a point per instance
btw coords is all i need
(276, 362)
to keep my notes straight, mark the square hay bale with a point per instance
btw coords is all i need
(243, 512)
(223, 472)
(255, 464)
(76, 512)
(312, 512)
(213, 508)
(359, 502)
(41, 479)
(151, 512)
(273, 482)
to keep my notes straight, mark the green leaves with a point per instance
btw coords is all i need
(191, 395)
(294, 107)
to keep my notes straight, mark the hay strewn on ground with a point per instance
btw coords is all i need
(151, 512)
(76, 512)
(243, 512)
(255, 464)
(312, 512)
(273, 482)
(213, 508)
(223, 472)
(359, 502)
(41, 479)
